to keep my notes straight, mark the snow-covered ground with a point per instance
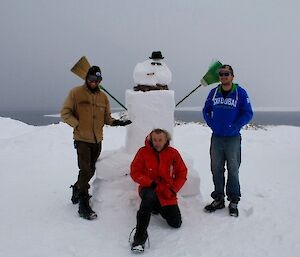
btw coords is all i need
(37, 218)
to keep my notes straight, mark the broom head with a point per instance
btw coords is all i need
(81, 67)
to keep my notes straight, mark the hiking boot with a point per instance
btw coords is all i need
(139, 240)
(215, 205)
(85, 211)
(233, 209)
(75, 194)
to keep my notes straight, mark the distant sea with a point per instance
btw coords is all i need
(38, 118)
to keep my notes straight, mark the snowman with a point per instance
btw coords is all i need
(151, 105)
(152, 74)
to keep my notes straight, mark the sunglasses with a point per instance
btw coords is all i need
(94, 78)
(225, 74)
(156, 63)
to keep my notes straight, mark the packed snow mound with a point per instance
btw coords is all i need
(148, 111)
(116, 164)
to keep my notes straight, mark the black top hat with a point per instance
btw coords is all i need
(156, 55)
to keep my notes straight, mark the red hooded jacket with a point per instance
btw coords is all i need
(166, 168)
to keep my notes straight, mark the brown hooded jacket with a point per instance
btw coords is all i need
(87, 113)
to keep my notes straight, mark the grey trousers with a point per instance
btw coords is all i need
(226, 151)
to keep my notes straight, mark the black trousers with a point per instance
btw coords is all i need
(87, 155)
(150, 203)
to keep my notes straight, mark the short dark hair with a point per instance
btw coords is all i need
(227, 66)
(159, 131)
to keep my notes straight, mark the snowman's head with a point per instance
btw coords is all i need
(152, 72)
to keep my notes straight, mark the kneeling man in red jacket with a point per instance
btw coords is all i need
(160, 172)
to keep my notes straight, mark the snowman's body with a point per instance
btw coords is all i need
(154, 109)
(152, 75)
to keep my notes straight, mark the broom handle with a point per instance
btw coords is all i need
(112, 97)
(126, 108)
(188, 95)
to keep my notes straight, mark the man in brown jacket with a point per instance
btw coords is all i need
(87, 109)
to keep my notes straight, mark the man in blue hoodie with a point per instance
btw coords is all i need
(227, 109)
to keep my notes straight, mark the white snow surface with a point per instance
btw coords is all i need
(37, 218)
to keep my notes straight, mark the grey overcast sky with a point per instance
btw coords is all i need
(40, 40)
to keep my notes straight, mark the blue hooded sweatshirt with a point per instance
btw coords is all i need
(226, 116)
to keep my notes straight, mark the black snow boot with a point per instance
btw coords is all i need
(141, 235)
(85, 211)
(215, 205)
(75, 194)
(233, 209)
(138, 245)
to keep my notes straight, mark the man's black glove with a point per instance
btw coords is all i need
(121, 122)
(153, 185)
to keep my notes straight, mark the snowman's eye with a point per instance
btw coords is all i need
(156, 63)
